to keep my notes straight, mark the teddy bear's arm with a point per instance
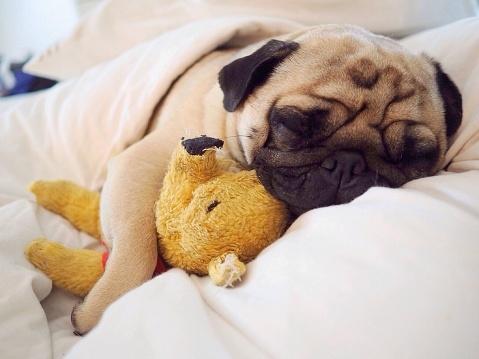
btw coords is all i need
(193, 163)
(77, 204)
(195, 160)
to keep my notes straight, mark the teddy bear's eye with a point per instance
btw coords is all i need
(212, 205)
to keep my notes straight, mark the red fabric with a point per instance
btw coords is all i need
(160, 265)
(104, 258)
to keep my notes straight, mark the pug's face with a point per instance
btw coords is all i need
(328, 113)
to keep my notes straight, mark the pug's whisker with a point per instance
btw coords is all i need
(248, 136)
(188, 132)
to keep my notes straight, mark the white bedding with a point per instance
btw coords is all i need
(393, 274)
(123, 23)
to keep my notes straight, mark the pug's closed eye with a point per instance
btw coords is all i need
(408, 143)
(292, 128)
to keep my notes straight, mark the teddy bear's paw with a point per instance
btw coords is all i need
(75, 270)
(49, 194)
(196, 146)
(37, 252)
(226, 270)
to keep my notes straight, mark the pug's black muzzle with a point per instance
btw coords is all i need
(308, 179)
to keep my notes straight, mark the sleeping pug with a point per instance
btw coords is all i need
(323, 115)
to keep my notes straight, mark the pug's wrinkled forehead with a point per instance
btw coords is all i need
(298, 101)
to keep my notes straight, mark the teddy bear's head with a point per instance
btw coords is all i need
(232, 212)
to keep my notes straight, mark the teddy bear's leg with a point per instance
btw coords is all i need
(77, 204)
(75, 270)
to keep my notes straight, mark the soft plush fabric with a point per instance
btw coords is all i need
(393, 274)
(123, 23)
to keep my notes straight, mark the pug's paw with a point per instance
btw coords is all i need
(197, 146)
(82, 320)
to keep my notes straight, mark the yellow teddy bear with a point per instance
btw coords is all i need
(209, 221)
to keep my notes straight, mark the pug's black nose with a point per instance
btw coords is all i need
(345, 165)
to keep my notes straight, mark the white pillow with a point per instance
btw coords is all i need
(456, 47)
(117, 25)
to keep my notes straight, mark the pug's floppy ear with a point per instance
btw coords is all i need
(451, 98)
(239, 78)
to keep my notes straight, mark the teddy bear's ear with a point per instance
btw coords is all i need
(239, 78)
